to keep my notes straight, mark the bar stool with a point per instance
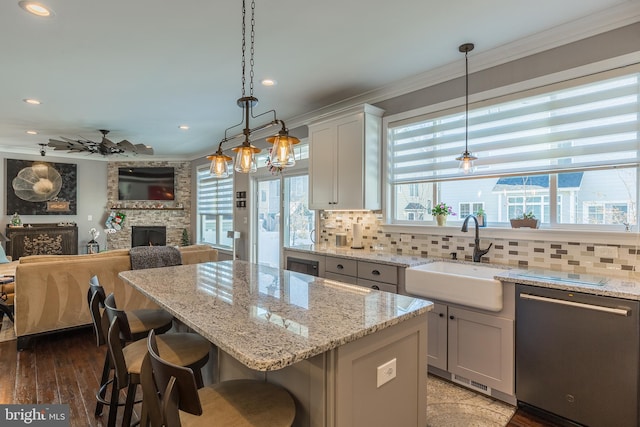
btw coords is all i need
(181, 349)
(141, 322)
(170, 397)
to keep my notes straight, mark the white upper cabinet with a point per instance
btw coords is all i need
(345, 156)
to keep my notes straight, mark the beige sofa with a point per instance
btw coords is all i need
(51, 290)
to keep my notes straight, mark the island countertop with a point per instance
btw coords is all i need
(268, 318)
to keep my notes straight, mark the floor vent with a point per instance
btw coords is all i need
(471, 384)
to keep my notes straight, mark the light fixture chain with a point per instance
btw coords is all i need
(243, 45)
(253, 35)
(466, 103)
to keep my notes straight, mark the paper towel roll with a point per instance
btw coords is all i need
(357, 237)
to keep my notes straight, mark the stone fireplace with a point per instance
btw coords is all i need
(148, 236)
(174, 216)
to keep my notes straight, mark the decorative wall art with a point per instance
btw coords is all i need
(41, 188)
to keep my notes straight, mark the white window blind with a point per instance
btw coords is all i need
(592, 124)
(215, 195)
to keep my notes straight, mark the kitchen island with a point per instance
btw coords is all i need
(350, 356)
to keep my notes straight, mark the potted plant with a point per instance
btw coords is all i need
(481, 216)
(441, 211)
(526, 220)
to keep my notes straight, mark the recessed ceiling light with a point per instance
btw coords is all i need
(183, 127)
(32, 132)
(32, 101)
(269, 82)
(35, 8)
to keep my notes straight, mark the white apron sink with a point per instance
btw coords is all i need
(472, 285)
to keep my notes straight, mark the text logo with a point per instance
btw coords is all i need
(34, 415)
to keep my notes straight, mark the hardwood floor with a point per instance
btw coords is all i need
(66, 368)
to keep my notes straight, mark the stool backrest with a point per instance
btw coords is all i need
(114, 313)
(96, 297)
(176, 384)
(116, 345)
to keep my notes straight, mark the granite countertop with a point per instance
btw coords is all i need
(363, 255)
(268, 318)
(574, 282)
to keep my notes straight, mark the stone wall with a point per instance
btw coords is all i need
(175, 215)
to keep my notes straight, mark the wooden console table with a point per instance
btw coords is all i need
(42, 239)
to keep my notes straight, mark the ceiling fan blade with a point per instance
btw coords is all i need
(143, 149)
(126, 145)
(108, 143)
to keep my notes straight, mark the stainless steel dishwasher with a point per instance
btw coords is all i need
(577, 356)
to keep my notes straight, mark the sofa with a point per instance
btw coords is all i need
(51, 290)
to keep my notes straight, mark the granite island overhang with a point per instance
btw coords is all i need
(323, 340)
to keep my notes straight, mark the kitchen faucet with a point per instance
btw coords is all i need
(477, 252)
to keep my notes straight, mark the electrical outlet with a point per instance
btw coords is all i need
(386, 372)
(89, 217)
(405, 238)
(605, 251)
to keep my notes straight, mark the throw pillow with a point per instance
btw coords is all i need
(3, 256)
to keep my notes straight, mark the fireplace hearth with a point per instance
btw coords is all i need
(148, 236)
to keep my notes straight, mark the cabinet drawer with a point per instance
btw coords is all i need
(340, 278)
(348, 267)
(378, 272)
(378, 285)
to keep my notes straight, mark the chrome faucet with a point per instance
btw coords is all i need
(477, 252)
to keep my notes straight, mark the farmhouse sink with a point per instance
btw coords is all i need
(471, 285)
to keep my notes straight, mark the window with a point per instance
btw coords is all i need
(215, 208)
(572, 148)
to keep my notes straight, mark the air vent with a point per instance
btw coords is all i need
(472, 384)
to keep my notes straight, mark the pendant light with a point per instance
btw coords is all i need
(466, 159)
(245, 162)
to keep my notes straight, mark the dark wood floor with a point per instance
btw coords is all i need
(66, 368)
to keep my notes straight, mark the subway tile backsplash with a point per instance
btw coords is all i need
(565, 256)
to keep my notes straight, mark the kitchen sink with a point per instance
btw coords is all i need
(472, 285)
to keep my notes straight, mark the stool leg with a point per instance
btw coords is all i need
(113, 406)
(128, 407)
(103, 380)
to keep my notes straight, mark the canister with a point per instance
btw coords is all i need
(341, 239)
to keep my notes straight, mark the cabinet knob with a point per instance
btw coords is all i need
(440, 314)
(375, 272)
(376, 287)
(451, 317)
(339, 266)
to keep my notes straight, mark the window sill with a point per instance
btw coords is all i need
(546, 234)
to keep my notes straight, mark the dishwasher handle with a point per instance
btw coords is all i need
(612, 310)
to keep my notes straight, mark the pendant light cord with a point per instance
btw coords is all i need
(466, 103)
(252, 36)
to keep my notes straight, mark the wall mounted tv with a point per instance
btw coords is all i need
(146, 183)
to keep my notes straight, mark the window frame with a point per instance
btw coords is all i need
(201, 172)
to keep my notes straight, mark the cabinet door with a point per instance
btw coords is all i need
(322, 166)
(350, 160)
(481, 348)
(437, 342)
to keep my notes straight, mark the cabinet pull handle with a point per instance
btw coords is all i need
(375, 272)
(376, 287)
(612, 310)
(451, 317)
(339, 266)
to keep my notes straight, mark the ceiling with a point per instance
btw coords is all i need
(142, 68)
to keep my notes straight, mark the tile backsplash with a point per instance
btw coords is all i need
(575, 257)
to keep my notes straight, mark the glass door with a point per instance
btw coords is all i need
(276, 227)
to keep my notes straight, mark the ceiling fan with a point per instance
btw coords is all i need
(105, 147)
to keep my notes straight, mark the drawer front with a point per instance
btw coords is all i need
(341, 278)
(348, 267)
(378, 285)
(378, 272)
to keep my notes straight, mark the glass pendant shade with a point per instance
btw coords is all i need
(466, 165)
(219, 165)
(246, 159)
(282, 154)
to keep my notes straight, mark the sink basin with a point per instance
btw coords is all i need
(471, 285)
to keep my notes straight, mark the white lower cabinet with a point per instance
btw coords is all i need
(476, 347)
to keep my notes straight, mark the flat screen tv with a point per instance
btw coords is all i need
(146, 183)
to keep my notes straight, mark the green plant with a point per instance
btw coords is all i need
(442, 209)
(185, 237)
(526, 215)
(480, 212)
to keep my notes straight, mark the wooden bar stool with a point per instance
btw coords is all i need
(170, 397)
(141, 322)
(182, 349)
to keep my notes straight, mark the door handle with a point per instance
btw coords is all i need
(611, 310)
